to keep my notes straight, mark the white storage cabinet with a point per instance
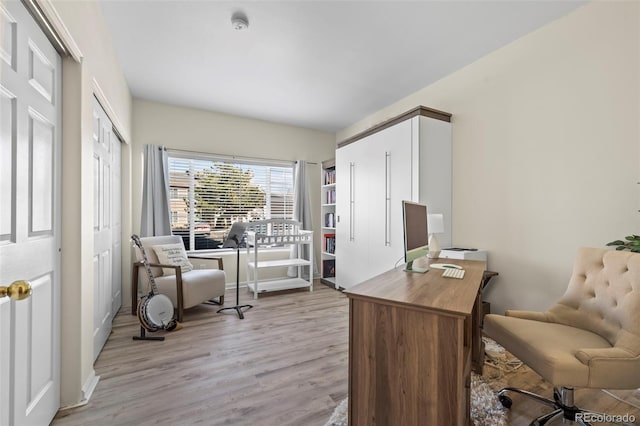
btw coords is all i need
(409, 160)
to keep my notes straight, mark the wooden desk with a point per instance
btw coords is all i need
(412, 340)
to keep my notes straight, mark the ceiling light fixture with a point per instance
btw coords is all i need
(239, 21)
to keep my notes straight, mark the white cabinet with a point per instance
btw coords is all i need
(410, 160)
(389, 184)
(271, 233)
(352, 222)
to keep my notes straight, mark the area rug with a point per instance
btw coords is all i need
(486, 410)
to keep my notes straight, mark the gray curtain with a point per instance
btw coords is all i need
(156, 219)
(302, 211)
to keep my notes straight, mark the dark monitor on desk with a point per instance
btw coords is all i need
(416, 234)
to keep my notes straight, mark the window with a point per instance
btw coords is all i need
(210, 193)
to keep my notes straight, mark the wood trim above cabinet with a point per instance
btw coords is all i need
(419, 110)
(327, 164)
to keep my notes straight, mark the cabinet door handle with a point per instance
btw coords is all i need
(352, 172)
(387, 198)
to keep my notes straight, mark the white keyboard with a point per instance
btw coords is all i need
(453, 273)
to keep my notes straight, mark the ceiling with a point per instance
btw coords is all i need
(315, 64)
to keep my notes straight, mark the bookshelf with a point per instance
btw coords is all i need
(328, 206)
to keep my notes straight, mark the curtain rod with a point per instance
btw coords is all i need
(231, 157)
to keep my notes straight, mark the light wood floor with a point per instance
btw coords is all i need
(284, 364)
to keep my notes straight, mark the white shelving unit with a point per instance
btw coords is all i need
(328, 203)
(277, 233)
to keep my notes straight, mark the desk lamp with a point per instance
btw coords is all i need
(435, 226)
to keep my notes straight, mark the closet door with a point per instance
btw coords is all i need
(106, 225)
(390, 183)
(352, 225)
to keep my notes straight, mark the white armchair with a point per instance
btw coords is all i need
(185, 289)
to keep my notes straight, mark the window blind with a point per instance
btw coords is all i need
(209, 193)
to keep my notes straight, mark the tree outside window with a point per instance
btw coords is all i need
(222, 193)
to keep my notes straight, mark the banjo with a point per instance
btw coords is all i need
(155, 310)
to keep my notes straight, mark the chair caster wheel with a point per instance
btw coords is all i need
(505, 401)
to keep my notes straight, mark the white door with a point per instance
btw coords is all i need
(390, 183)
(30, 77)
(352, 213)
(106, 224)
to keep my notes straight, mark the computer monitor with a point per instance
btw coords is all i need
(416, 235)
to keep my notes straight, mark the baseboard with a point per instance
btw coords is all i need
(232, 286)
(87, 390)
(243, 284)
(90, 385)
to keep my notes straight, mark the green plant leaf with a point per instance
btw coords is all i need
(616, 243)
(620, 248)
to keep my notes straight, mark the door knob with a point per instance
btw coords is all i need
(18, 290)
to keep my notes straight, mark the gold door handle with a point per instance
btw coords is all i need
(18, 290)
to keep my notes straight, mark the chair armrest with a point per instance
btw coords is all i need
(218, 258)
(158, 265)
(589, 356)
(529, 315)
(220, 264)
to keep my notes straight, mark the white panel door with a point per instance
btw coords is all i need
(30, 146)
(106, 224)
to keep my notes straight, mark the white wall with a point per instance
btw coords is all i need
(545, 148)
(210, 132)
(99, 71)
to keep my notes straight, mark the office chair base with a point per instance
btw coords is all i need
(562, 405)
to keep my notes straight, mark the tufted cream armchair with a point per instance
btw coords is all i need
(589, 339)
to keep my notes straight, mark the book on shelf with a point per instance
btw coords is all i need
(329, 220)
(330, 177)
(329, 268)
(330, 243)
(331, 196)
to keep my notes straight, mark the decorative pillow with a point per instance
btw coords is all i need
(173, 254)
